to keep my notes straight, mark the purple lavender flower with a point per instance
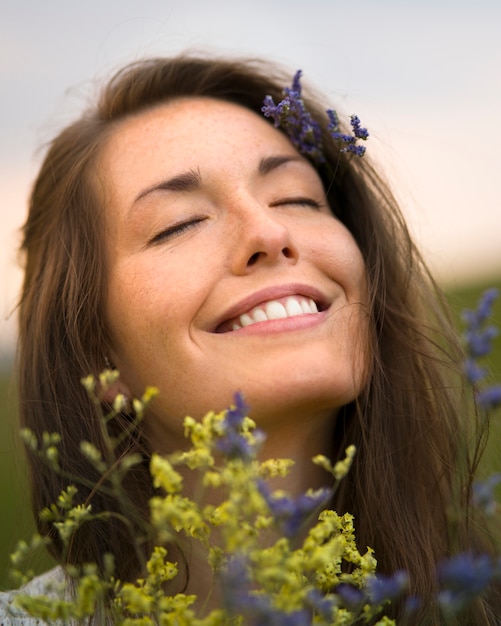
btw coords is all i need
(236, 585)
(483, 495)
(320, 604)
(358, 131)
(378, 590)
(352, 597)
(291, 115)
(473, 371)
(465, 577)
(256, 609)
(484, 308)
(490, 398)
(387, 588)
(480, 340)
(304, 132)
(233, 444)
(349, 141)
(292, 513)
(478, 335)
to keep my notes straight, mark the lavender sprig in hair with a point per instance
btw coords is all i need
(291, 115)
(349, 141)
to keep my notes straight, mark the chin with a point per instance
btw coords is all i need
(299, 398)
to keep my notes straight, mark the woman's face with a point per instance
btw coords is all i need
(227, 270)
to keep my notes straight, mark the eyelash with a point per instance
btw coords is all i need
(176, 229)
(308, 202)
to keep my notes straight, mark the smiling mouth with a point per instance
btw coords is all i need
(292, 306)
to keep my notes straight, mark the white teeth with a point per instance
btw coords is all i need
(293, 307)
(305, 307)
(274, 310)
(246, 320)
(259, 315)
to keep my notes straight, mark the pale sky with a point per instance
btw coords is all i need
(423, 76)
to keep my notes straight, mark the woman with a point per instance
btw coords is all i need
(176, 233)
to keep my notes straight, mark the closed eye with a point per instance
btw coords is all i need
(300, 201)
(176, 230)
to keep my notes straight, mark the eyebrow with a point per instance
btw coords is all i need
(187, 181)
(271, 163)
(192, 180)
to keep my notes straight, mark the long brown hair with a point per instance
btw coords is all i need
(411, 468)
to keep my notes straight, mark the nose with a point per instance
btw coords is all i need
(262, 237)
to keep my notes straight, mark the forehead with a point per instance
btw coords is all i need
(193, 119)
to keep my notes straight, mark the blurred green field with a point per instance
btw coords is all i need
(15, 518)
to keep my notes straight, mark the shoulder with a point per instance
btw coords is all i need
(51, 583)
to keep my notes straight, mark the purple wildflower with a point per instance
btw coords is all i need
(236, 583)
(490, 398)
(484, 308)
(479, 340)
(478, 335)
(387, 588)
(292, 513)
(483, 495)
(473, 371)
(351, 597)
(358, 131)
(320, 604)
(465, 577)
(305, 132)
(349, 142)
(233, 444)
(256, 609)
(291, 115)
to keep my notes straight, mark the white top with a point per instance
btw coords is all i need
(49, 584)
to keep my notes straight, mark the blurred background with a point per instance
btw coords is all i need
(423, 77)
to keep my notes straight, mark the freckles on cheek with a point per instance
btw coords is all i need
(126, 298)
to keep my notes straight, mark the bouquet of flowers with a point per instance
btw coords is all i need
(323, 579)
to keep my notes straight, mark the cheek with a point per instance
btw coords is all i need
(153, 302)
(349, 270)
(337, 253)
(133, 294)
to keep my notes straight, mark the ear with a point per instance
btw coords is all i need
(117, 387)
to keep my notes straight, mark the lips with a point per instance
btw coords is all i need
(272, 304)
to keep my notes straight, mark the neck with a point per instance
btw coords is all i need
(299, 441)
